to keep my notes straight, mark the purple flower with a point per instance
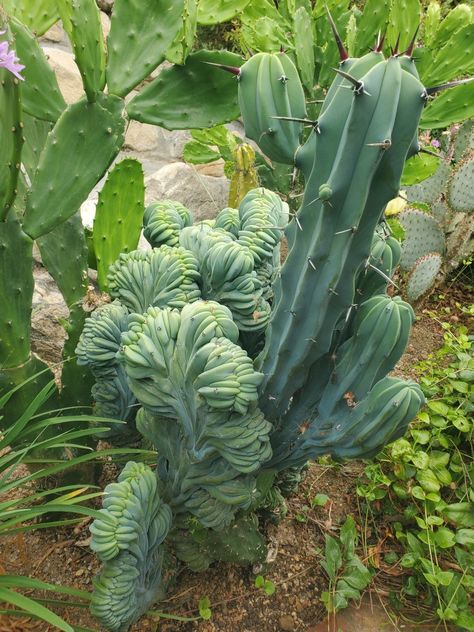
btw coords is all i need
(9, 60)
(435, 143)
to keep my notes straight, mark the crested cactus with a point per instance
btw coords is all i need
(263, 367)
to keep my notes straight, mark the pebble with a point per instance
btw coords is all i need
(287, 623)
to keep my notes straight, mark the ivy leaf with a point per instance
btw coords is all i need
(204, 606)
(466, 537)
(444, 538)
(439, 407)
(319, 500)
(462, 514)
(259, 581)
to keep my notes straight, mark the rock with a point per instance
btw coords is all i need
(49, 308)
(141, 137)
(170, 144)
(67, 73)
(214, 169)
(201, 194)
(105, 5)
(88, 211)
(55, 34)
(287, 623)
(105, 21)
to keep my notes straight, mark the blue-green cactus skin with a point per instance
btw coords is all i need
(129, 537)
(329, 242)
(97, 349)
(224, 423)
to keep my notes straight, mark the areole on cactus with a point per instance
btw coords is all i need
(245, 369)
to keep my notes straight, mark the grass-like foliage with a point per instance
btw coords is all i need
(34, 440)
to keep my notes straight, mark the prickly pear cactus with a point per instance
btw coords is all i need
(423, 275)
(461, 187)
(447, 228)
(430, 189)
(66, 149)
(423, 235)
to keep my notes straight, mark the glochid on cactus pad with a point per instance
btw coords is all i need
(228, 426)
(461, 187)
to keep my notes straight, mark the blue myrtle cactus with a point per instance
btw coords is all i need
(242, 369)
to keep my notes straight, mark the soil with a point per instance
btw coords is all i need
(62, 556)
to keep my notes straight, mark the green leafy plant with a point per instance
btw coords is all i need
(266, 585)
(204, 606)
(348, 576)
(423, 483)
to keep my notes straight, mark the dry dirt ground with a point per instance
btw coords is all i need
(62, 556)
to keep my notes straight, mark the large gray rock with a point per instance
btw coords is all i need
(55, 34)
(170, 145)
(105, 22)
(204, 195)
(49, 309)
(141, 137)
(67, 73)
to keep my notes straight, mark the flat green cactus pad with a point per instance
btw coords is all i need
(422, 236)
(430, 189)
(423, 275)
(464, 140)
(461, 188)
